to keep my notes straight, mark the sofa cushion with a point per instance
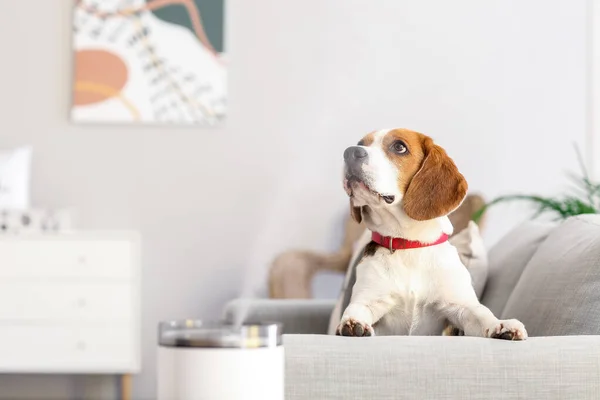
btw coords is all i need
(470, 248)
(442, 368)
(559, 290)
(507, 260)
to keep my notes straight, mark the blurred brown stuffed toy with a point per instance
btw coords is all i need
(292, 272)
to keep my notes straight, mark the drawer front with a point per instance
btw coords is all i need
(66, 258)
(99, 349)
(66, 301)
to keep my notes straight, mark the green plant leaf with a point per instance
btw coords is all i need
(562, 207)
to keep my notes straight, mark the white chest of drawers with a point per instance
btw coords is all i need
(70, 303)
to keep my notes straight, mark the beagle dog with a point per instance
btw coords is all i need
(410, 280)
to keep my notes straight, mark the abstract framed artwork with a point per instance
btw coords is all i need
(149, 61)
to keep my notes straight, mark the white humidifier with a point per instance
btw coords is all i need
(198, 361)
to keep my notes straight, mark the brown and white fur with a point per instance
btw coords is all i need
(403, 185)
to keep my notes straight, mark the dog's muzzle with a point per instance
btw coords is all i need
(355, 157)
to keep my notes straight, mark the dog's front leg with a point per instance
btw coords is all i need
(371, 299)
(475, 319)
(478, 320)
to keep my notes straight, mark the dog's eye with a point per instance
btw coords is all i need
(399, 147)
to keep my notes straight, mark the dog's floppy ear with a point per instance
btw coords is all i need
(437, 188)
(356, 213)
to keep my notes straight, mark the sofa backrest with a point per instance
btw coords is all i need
(558, 293)
(507, 260)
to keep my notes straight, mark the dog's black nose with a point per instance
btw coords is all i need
(355, 153)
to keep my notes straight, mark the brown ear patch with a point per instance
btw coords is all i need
(367, 140)
(437, 188)
(356, 213)
(409, 164)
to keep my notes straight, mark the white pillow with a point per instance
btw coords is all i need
(15, 176)
(473, 254)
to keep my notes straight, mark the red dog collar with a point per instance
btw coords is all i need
(403, 244)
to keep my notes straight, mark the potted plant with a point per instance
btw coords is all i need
(586, 200)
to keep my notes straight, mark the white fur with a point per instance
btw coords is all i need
(412, 292)
(380, 172)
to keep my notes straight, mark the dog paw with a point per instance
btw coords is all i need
(351, 327)
(508, 329)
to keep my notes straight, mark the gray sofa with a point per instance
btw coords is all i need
(546, 275)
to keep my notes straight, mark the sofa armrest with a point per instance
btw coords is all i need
(441, 367)
(297, 316)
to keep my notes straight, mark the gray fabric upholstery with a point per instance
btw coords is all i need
(559, 291)
(297, 316)
(441, 368)
(507, 260)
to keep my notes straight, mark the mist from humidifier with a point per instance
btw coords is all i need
(259, 259)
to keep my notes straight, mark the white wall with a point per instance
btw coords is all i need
(594, 87)
(500, 84)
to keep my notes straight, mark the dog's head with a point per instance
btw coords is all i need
(403, 168)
